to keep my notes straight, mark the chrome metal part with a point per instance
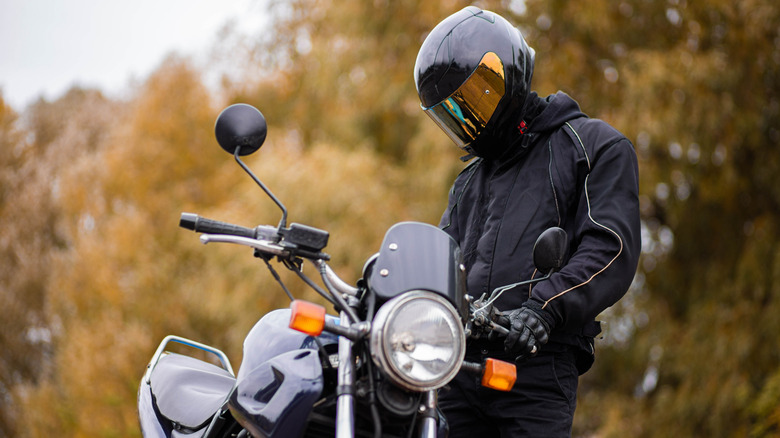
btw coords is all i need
(340, 285)
(184, 341)
(345, 407)
(428, 428)
(384, 356)
(262, 245)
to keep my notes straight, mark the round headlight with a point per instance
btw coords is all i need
(417, 340)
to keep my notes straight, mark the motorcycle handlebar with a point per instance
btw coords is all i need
(264, 238)
(200, 224)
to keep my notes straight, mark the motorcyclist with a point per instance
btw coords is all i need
(539, 162)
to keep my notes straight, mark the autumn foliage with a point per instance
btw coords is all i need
(95, 271)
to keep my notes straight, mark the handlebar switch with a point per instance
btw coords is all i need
(306, 237)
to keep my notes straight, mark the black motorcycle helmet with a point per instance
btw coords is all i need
(473, 75)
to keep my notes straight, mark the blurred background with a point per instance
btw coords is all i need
(94, 270)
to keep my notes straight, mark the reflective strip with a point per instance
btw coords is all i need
(587, 198)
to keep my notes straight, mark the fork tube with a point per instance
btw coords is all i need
(429, 427)
(345, 408)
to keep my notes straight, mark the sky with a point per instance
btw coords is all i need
(47, 46)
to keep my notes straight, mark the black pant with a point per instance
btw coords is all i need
(541, 404)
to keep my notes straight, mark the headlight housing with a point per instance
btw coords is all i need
(417, 339)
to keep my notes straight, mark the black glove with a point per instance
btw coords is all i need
(529, 329)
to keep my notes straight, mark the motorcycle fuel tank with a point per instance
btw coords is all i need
(280, 378)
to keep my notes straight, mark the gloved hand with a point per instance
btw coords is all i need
(529, 329)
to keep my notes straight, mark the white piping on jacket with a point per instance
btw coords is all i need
(587, 198)
(552, 183)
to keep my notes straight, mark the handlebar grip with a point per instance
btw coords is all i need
(199, 224)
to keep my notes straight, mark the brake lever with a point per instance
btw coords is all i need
(499, 328)
(484, 319)
(261, 245)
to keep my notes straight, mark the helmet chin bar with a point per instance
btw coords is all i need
(487, 146)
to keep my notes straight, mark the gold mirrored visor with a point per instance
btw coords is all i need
(464, 114)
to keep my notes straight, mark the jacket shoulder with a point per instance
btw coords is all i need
(466, 173)
(591, 136)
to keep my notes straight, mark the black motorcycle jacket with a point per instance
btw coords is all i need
(569, 171)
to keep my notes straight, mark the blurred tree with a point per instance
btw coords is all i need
(34, 152)
(340, 79)
(18, 297)
(118, 283)
(695, 86)
(698, 88)
(343, 74)
(96, 272)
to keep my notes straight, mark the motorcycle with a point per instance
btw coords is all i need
(372, 370)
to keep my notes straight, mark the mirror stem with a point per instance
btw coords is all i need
(283, 222)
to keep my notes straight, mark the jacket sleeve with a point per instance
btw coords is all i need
(606, 242)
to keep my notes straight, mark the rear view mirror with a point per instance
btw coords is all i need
(549, 255)
(550, 250)
(240, 126)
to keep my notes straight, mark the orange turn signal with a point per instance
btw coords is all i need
(499, 375)
(307, 317)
